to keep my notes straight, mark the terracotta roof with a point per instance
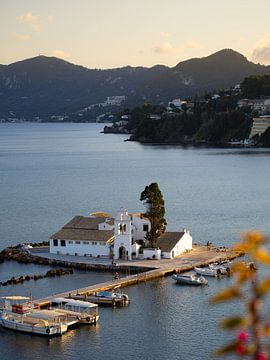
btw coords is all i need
(81, 222)
(168, 240)
(140, 215)
(85, 235)
(84, 228)
(101, 214)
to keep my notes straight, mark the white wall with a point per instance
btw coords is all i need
(138, 222)
(183, 245)
(122, 235)
(98, 248)
(105, 226)
(135, 249)
(149, 253)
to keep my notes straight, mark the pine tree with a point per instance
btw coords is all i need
(155, 211)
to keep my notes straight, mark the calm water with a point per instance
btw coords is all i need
(51, 172)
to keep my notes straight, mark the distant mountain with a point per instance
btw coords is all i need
(45, 86)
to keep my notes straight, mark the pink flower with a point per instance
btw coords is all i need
(261, 356)
(241, 349)
(242, 336)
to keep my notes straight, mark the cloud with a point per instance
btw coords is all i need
(57, 53)
(165, 34)
(261, 55)
(193, 44)
(167, 48)
(261, 52)
(31, 20)
(20, 37)
(50, 18)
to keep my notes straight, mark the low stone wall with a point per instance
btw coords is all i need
(19, 254)
(23, 278)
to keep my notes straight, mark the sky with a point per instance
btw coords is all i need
(116, 33)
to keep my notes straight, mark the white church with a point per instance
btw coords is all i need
(101, 235)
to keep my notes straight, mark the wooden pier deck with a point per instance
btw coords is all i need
(199, 256)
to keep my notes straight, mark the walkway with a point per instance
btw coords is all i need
(199, 256)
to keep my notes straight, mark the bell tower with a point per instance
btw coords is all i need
(122, 236)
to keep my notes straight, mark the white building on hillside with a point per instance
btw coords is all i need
(260, 125)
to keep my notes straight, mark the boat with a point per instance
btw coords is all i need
(19, 316)
(85, 312)
(190, 279)
(206, 271)
(221, 269)
(113, 298)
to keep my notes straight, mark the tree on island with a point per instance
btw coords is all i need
(155, 211)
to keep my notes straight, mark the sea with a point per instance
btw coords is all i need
(52, 172)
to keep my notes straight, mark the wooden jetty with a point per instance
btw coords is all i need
(199, 256)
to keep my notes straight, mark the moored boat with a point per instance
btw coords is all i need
(190, 279)
(22, 317)
(206, 271)
(85, 312)
(221, 269)
(113, 298)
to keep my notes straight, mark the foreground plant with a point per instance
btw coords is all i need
(252, 329)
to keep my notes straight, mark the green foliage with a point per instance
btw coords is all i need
(256, 86)
(155, 211)
(265, 138)
(203, 125)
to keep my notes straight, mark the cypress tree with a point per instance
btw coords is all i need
(155, 211)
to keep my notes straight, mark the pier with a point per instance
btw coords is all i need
(199, 256)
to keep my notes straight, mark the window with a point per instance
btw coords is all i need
(86, 242)
(145, 227)
(77, 242)
(63, 242)
(94, 243)
(55, 242)
(70, 242)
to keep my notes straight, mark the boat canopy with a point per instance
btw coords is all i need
(15, 298)
(72, 302)
(45, 314)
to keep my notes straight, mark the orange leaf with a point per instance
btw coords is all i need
(263, 287)
(227, 294)
(261, 254)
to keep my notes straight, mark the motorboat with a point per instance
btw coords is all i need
(221, 269)
(85, 312)
(206, 271)
(190, 279)
(113, 298)
(20, 316)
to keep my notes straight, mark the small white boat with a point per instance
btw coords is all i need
(19, 316)
(206, 271)
(221, 269)
(114, 297)
(85, 312)
(190, 279)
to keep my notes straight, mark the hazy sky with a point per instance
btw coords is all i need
(112, 33)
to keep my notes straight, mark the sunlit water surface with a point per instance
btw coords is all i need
(51, 172)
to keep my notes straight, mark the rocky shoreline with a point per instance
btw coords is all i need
(21, 255)
(49, 273)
